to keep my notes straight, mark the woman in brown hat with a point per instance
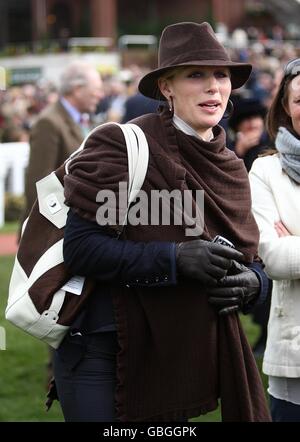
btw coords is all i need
(160, 338)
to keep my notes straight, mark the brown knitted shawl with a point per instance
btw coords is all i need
(177, 356)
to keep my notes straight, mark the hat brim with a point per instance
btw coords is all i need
(240, 72)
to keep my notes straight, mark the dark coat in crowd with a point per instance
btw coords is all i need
(53, 138)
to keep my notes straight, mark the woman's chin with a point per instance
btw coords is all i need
(211, 121)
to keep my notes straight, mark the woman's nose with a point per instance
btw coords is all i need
(212, 83)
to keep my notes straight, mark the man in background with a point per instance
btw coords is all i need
(62, 126)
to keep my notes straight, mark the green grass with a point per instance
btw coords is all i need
(10, 227)
(23, 368)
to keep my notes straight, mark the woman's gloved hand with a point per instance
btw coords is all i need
(236, 290)
(204, 260)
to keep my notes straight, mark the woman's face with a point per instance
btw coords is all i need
(200, 95)
(254, 123)
(293, 103)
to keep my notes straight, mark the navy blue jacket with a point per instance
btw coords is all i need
(130, 263)
(90, 251)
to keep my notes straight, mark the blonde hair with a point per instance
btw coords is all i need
(167, 75)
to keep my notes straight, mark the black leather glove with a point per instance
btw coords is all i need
(236, 290)
(204, 260)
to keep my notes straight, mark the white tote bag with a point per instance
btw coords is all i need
(44, 298)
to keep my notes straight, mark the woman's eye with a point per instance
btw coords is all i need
(196, 75)
(221, 74)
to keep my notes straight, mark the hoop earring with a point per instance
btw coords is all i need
(229, 109)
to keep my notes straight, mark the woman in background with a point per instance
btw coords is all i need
(275, 185)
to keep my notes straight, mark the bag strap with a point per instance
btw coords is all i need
(132, 153)
(142, 161)
(137, 154)
(138, 158)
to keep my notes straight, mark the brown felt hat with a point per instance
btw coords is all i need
(191, 44)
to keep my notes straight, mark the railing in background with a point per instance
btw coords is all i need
(55, 46)
(147, 40)
(13, 162)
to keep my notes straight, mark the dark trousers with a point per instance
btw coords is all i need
(85, 377)
(283, 411)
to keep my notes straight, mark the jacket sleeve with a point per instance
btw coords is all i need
(281, 256)
(265, 283)
(90, 251)
(44, 147)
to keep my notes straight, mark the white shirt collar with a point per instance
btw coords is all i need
(186, 128)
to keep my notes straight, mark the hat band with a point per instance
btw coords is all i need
(206, 55)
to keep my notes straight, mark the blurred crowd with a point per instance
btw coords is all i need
(19, 108)
(20, 105)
